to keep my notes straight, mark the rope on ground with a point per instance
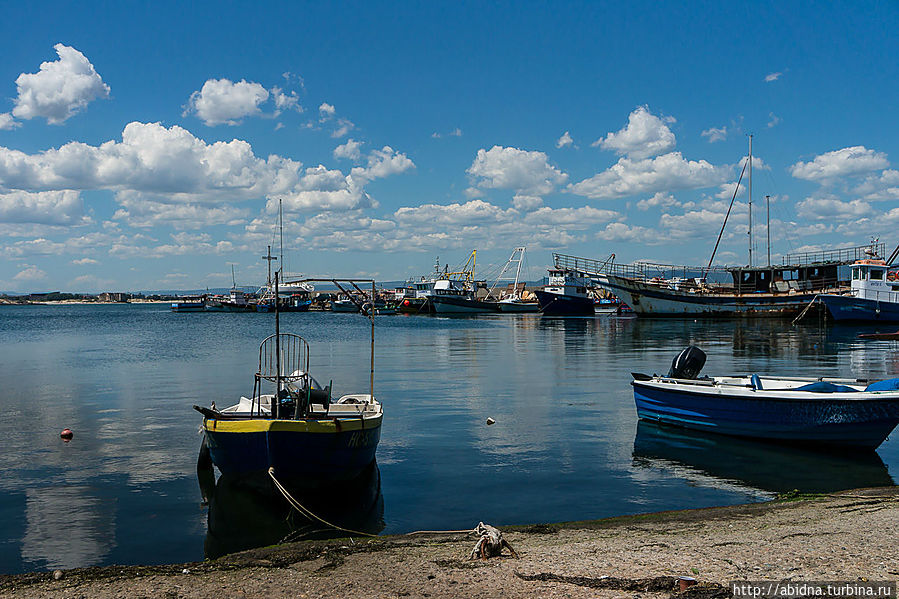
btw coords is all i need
(306, 512)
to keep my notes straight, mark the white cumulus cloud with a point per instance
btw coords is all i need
(645, 135)
(153, 167)
(630, 177)
(60, 89)
(44, 208)
(659, 200)
(31, 273)
(350, 150)
(829, 209)
(527, 172)
(714, 134)
(850, 161)
(7, 122)
(383, 163)
(224, 102)
(772, 77)
(565, 141)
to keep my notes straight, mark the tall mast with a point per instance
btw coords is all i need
(276, 402)
(268, 257)
(750, 200)
(281, 227)
(518, 272)
(768, 226)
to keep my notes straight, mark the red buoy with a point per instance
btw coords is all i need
(405, 302)
(67, 434)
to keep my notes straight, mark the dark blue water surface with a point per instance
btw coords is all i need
(565, 446)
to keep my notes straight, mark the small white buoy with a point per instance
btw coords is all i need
(490, 421)
(185, 571)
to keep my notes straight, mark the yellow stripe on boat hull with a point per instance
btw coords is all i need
(261, 425)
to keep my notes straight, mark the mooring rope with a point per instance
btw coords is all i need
(309, 514)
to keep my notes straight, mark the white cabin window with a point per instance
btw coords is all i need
(855, 274)
(876, 275)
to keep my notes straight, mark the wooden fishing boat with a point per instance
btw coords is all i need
(298, 428)
(819, 411)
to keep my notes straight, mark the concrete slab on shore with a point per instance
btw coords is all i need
(839, 537)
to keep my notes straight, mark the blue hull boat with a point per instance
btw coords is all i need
(557, 304)
(817, 411)
(847, 308)
(324, 450)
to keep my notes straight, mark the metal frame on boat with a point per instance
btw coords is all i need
(297, 430)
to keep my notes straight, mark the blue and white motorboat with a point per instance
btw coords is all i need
(873, 294)
(565, 294)
(297, 428)
(818, 411)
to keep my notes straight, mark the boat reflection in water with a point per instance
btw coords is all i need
(720, 461)
(248, 511)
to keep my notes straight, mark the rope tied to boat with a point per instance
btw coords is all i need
(478, 530)
(308, 513)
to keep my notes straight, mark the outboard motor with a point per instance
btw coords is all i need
(687, 364)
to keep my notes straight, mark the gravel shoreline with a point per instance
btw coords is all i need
(843, 536)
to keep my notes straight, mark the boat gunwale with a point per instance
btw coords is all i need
(713, 389)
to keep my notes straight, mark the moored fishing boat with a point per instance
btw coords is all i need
(778, 290)
(873, 295)
(454, 292)
(565, 294)
(817, 411)
(516, 299)
(297, 428)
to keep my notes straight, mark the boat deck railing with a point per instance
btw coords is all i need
(876, 295)
(648, 270)
(841, 255)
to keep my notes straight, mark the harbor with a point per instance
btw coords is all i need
(576, 299)
(557, 389)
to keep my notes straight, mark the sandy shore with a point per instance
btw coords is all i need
(845, 536)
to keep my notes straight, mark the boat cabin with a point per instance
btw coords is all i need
(785, 279)
(874, 280)
(566, 282)
(451, 287)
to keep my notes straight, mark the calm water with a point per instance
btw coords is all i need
(565, 446)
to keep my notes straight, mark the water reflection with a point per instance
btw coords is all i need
(247, 512)
(713, 460)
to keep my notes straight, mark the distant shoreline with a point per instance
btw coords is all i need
(81, 303)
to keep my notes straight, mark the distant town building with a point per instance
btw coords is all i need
(113, 297)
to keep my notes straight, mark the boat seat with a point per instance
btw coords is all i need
(887, 385)
(826, 387)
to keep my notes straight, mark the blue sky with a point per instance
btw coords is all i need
(145, 146)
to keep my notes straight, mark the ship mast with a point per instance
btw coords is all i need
(268, 257)
(281, 227)
(750, 200)
(768, 226)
